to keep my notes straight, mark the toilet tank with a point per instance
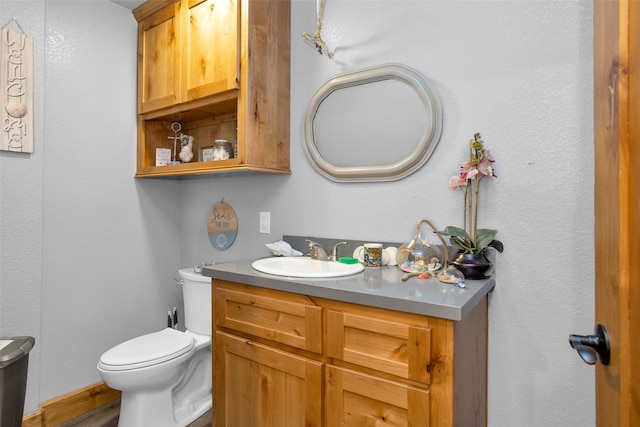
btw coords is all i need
(196, 291)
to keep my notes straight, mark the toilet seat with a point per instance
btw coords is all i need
(147, 350)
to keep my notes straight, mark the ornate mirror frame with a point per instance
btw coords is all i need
(386, 172)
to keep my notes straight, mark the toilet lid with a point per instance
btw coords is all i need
(147, 350)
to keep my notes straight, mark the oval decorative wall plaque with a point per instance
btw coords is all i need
(222, 225)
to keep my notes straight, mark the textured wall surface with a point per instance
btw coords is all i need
(88, 254)
(21, 216)
(519, 72)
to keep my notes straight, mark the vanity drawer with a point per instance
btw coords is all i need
(387, 345)
(280, 317)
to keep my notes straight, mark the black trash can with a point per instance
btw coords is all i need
(14, 362)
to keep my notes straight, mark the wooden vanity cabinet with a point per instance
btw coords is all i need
(292, 360)
(221, 69)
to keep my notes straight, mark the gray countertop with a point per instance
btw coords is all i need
(376, 287)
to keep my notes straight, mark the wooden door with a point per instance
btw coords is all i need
(260, 386)
(210, 47)
(617, 207)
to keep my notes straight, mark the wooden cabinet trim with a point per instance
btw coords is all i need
(149, 7)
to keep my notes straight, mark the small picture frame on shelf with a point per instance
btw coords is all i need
(205, 154)
(163, 156)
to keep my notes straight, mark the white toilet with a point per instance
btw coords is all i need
(165, 376)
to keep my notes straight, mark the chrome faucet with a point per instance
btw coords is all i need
(334, 251)
(316, 251)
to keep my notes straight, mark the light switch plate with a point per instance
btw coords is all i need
(265, 222)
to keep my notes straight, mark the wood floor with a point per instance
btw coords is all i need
(107, 416)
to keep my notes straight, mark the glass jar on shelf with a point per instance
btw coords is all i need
(222, 149)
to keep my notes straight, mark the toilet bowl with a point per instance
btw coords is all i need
(165, 376)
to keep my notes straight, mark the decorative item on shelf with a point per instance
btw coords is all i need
(175, 127)
(205, 154)
(186, 149)
(472, 242)
(163, 156)
(221, 150)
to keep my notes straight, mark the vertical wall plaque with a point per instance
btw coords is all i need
(222, 225)
(16, 84)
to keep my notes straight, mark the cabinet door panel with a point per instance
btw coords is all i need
(257, 386)
(159, 59)
(211, 47)
(394, 347)
(285, 321)
(355, 399)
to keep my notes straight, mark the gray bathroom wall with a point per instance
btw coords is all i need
(88, 254)
(518, 72)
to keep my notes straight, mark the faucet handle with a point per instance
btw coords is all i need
(316, 251)
(310, 245)
(334, 251)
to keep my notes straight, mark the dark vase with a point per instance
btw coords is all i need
(473, 266)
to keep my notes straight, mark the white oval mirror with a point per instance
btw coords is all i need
(377, 124)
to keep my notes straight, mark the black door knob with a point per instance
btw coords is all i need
(592, 347)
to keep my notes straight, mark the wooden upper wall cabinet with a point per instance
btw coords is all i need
(221, 69)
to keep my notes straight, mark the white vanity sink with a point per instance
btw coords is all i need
(305, 267)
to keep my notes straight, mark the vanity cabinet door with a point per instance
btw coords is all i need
(257, 385)
(159, 59)
(390, 345)
(210, 54)
(277, 316)
(354, 399)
